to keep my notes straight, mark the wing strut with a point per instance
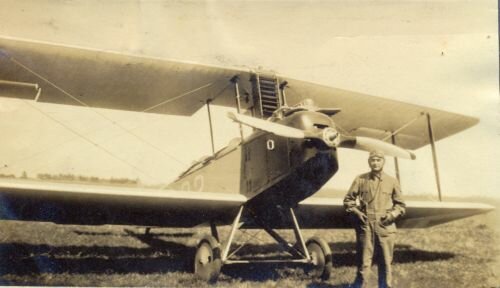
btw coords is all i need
(282, 87)
(433, 148)
(9, 85)
(235, 80)
(211, 126)
(434, 154)
(409, 123)
(396, 162)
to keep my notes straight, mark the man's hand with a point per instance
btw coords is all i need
(388, 219)
(361, 216)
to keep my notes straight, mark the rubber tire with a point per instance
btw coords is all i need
(322, 259)
(207, 260)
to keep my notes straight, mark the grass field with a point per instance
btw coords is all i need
(463, 253)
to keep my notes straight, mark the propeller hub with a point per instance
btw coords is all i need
(331, 137)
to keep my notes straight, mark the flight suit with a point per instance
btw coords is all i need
(376, 197)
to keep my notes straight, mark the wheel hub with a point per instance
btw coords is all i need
(314, 258)
(204, 255)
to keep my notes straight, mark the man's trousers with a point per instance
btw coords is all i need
(375, 238)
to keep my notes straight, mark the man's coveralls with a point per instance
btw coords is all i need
(377, 198)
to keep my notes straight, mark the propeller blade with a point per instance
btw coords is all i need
(360, 143)
(370, 144)
(271, 127)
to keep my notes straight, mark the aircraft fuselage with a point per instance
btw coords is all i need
(272, 171)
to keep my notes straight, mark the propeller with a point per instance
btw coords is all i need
(328, 135)
(271, 127)
(370, 144)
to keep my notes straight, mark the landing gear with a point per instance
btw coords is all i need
(207, 261)
(210, 257)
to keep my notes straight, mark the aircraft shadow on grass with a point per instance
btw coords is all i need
(128, 234)
(167, 256)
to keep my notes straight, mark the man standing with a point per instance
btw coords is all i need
(376, 201)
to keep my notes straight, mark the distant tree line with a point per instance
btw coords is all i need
(82, 178)
(74, 178)
(7, 175)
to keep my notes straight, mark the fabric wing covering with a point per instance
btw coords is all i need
(323, 212)
(96, 205)
(126, 82)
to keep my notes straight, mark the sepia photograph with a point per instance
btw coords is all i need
(294, 143)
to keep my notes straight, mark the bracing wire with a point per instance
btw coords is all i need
(89, 140)
(179, 96)
(129, 131)
(106, 117)
(58, 145)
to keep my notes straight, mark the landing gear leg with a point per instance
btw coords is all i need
(211, 255)
(315, 253)
(208, 259)
(316, 250)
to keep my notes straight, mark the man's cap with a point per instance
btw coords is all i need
(376, 153)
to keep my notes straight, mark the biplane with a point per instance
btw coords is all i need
(263, 180)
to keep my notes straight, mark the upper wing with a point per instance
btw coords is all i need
(97, 205)
(366, 115)
(77, 76)
(117, 81)
(316, 212)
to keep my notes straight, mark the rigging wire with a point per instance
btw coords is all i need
(95, 111)
(179, 96)
(89, 140)
(111, 120)
(58, 145)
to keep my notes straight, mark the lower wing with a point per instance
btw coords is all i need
(83, 204)
(316, 212)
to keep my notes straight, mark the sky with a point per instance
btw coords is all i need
(440, 54)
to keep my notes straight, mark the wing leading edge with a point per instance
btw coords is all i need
(316, 212)
(82, 204)
(136, 83)
(377, 117)
(95, 78)
(97, 205)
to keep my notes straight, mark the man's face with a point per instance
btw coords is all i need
(376, 164)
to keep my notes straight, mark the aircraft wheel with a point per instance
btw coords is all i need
(207, 260)
(321, 258)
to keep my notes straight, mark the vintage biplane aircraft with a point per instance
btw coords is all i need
(263, 180)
